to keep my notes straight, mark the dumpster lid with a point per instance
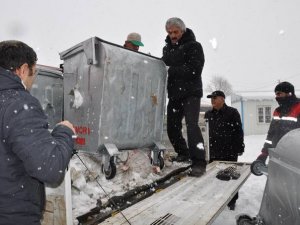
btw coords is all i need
(90, 43)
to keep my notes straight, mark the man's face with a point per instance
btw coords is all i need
(280, 94)
(175, 33)
(29, 76)
(131, 46)
(217, 102)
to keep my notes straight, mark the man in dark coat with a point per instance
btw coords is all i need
(226, 136)
(29, 155)
(185, 58)
(286, 117)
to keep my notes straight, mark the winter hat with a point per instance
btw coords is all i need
(216, 93)
(285, 87)
(135, 39)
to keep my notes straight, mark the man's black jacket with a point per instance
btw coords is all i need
(185, 60)
(226, 136)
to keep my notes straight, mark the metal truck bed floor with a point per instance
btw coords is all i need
(189, 201)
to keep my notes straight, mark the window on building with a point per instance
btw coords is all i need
(264, 114)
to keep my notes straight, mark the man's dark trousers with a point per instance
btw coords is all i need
(189, 108)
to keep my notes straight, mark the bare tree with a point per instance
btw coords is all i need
(219, 83)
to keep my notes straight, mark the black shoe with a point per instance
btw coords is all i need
(181, 158)
(232, 206)
(198, 169)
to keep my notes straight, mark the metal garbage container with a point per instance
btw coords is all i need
(115, 97)
(280, 202)
(48, 89)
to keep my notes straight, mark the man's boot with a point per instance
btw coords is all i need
(198, 168)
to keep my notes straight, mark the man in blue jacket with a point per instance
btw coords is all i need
(30, 155)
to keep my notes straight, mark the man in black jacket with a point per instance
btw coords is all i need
(185, 58)
(29, 154)
(226, 136)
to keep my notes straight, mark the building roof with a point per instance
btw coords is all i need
(255, 95)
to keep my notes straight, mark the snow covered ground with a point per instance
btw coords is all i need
(132, 172)
(251, 193)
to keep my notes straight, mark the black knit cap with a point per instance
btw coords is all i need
(285, 87)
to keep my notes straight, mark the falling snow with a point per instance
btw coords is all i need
(213, 43)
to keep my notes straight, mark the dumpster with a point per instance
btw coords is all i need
(48, 89)
(280, 202)
(115, 97)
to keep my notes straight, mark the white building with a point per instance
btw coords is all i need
(256, 110)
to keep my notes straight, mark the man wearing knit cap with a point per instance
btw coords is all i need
(133, 41)
(286, 117)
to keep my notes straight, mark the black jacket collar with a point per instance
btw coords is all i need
(9, 80)
(187, 36)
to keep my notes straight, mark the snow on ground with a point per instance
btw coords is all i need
(251, 193)
(134, 170)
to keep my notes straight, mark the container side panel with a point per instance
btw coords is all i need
(48, 89)
(133, 99)
(119, 100)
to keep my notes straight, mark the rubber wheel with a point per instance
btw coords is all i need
(255, 167)
(111, 172)
(161, 162)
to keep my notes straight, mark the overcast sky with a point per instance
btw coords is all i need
(253, 44)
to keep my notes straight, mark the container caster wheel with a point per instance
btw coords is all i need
(111, 171)
(256, 167)
(161, 162)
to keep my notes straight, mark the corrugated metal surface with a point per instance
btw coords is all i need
(113, 95)
(48, 89)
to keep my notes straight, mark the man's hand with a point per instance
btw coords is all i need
(68, 124)
(262, 157)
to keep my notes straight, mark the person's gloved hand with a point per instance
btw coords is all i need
(263, 157)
